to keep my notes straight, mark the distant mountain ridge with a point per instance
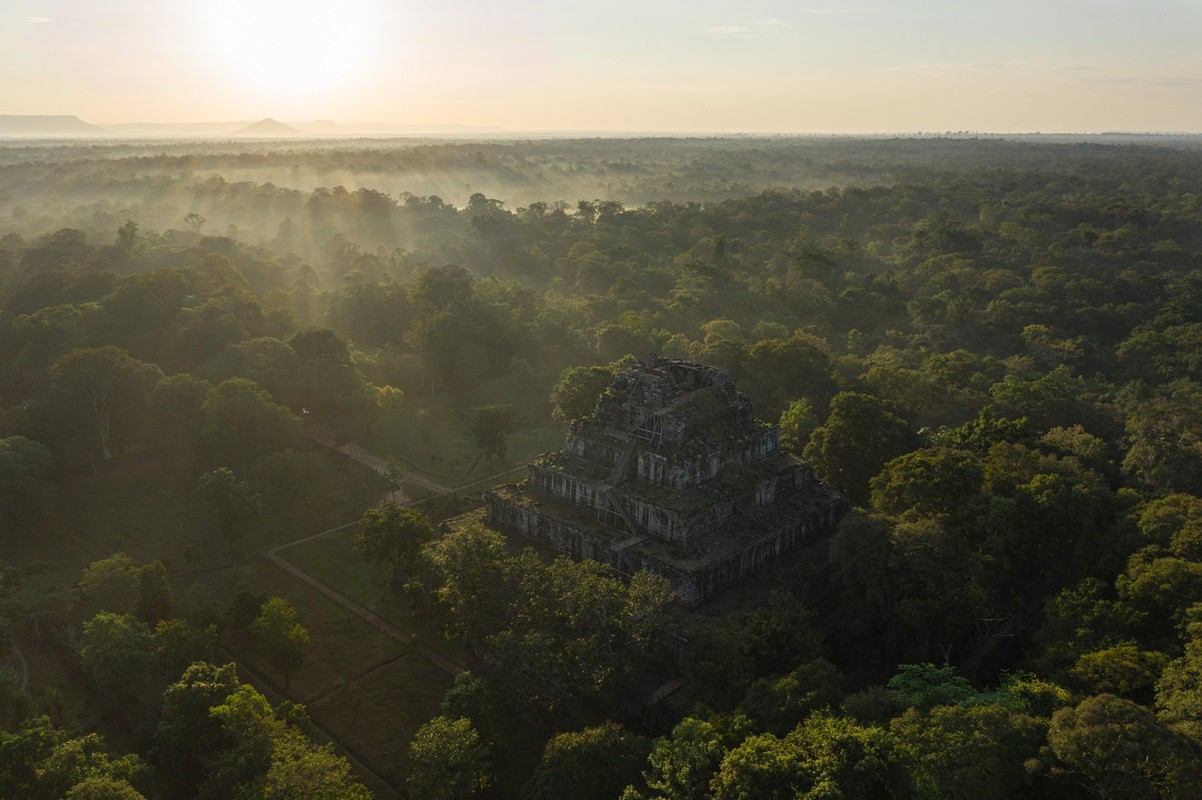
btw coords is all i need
(268, 127)
(47, 125)
(35, 125)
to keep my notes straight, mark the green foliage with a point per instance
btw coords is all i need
(188, 739)
(111, 584)
(1179, 687)
(281, 635)
(447, 761)
(97, 400)
(577, 391)
(925, 686)
(859, 436)
(176, 411)
(826, 756)
(728, 655)
(1123, 670)
(230, 503)
(393, 534)
(592, 764)
(115, 651)
(1058, 287)
(470, 698)
(680, 767)
(777, 705)
(966, 752)
(242, 423)
(981, 434)
(929, 482)
(155, 600)
(39, 762)
(490, 427)
(1121, 750)
(797, 424)
(25, 490)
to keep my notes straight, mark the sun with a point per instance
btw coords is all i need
(289, 47)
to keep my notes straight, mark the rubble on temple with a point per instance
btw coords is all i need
(672, 474)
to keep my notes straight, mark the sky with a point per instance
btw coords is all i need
(787, 66)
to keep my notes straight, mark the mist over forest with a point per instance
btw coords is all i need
(251, 390)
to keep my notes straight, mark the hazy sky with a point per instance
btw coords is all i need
(652, 65)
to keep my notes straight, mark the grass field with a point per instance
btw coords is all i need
(147, 507)
(436, 443)
(331, 560)
(364, 689)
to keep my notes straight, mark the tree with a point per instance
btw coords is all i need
(925, 686)
(242, 423)
(301, 770)
(1179, 687)
(38, 762)
(189, 739)
(966, 752)
(1123, 670)
(155, 601)
(393, 534)
(824, 757)
(1123, 752)
(471, 577)
(929, 482)
(25, 490)
(103, 787)
(447, 761)
(230, 503)
(576, 394)
(490, 427)
(116, 653)
(106, 391)
(592, 764)
(779, 370)
(797, 424)
(177, 644)
(176, 415)
(110, 584)
(282, 636)
(681, 766)
(859, 436)
(778, 704)
(470, 698)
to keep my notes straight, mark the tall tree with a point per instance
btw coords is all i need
(490, 427)
(100, 395)
(282, 636)
(393, 534)
(230, 503)
(859, 436)
(447, 761)
(242, 423)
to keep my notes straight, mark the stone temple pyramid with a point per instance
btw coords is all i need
(673, 474)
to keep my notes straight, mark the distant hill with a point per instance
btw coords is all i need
(268, 127)
(47, 125)
(319, 126)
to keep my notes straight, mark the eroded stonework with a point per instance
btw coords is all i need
(673, 474)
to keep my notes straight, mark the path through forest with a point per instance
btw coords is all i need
(325, 436)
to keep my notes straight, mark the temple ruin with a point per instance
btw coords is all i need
(673, 474)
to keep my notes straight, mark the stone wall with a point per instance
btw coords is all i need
(693, 585)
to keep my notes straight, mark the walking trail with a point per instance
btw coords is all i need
(325, 436)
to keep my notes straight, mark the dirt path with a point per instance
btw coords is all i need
(325, 436)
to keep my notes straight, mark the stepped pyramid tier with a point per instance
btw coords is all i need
(672, 473)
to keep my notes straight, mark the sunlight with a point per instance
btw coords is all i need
(292, 48)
